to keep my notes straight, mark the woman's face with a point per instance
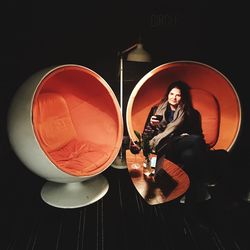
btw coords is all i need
(174, 97)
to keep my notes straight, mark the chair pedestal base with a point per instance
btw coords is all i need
(119, 163)
(76, 194)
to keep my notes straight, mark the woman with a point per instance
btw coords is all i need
(178, 136)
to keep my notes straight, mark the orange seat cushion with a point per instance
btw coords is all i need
(208, 107)
(58, 137)
(79, 158)
(52, 121)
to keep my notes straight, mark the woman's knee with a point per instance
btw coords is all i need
(194, 153)
(198, 145)
(197, 140)
(188, 156)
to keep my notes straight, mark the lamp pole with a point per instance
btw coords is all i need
(120, 161)
(121, 73)
(121, 83)
(139, 55)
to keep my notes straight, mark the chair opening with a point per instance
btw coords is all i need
(76, 120)
(213, 96)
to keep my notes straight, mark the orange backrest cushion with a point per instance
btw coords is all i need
(208, 107)
(52, 121)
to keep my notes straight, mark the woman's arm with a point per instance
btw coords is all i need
(170, 128)
(149, 129)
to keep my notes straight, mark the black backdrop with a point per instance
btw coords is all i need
(40, 34)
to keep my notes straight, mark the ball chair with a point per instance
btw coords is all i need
(213, 95)
(65, 125)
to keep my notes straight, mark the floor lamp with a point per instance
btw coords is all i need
(135, 53)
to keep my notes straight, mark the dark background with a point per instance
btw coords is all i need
(39, 35)
(42, 34)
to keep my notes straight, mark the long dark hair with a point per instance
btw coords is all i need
(185, 95)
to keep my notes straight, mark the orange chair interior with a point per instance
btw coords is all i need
(76, 121)
(212, 93)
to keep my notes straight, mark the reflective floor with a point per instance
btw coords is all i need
(121, 220)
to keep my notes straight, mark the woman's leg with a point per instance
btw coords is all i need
(193, 155)
(190, 152)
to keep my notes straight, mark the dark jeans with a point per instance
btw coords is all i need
(188, 151)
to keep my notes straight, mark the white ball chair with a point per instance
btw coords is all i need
(65, 125)
(213, 95)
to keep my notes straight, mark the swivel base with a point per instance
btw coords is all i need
(76, 194)
(119, 163)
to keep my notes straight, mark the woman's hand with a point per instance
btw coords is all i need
(154, 120)
(134, 148)
(152, 143)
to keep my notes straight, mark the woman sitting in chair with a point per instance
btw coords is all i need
(174, 130)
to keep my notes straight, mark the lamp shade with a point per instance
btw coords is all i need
(139, 54)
